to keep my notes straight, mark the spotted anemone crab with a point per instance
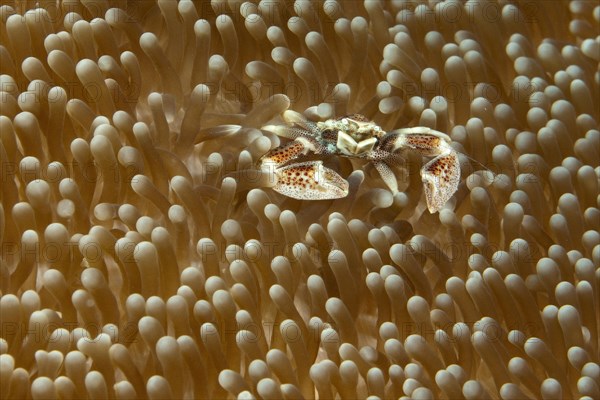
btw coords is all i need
(355, 136)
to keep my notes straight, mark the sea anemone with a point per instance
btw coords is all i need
(144, 254)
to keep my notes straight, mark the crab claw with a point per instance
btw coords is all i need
(441, 177)
(310, 181)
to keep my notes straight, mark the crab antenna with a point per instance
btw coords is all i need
(477, 162)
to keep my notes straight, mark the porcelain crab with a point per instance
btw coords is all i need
(355, 136)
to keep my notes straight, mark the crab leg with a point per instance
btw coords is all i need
(387, 175)
(441, 175)
(308, 180)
